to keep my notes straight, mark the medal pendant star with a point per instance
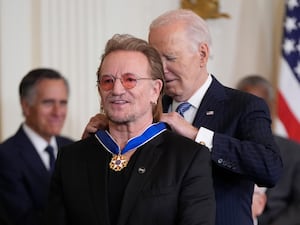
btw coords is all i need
(118, 162)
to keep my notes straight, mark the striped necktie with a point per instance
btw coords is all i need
(183, 107)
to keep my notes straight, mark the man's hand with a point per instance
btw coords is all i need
(99, 121)
(179, 125)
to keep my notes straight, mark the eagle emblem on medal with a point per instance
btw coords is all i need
(118, 162)
(207, 9)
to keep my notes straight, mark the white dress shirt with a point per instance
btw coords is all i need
(40, 144)
(204, 135)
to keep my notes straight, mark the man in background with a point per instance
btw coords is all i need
(27, 158)
(283, 201)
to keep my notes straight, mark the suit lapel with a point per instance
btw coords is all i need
(98, 159)
(210, 107)
(31, 157)
(141, 173)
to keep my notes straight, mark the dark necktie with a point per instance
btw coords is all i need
(182, 108)
(50, 151)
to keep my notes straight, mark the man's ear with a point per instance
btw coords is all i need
(25, 107)
(204, 53)
(158, 85)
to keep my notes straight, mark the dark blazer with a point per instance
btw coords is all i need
(175, 186)
(24, 180)
(283, 200)
(243, 153)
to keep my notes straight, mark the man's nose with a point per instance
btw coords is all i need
(118, 86)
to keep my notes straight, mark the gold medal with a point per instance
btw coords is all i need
(118, 162)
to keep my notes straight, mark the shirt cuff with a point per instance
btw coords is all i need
(205, 137)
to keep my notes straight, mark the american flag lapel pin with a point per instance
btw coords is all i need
(210, 113)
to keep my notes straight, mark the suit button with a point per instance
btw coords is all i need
(220, 161)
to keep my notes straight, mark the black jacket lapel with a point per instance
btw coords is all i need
(141, 173)
(98, 159)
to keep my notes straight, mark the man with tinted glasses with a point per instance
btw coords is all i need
(236, 127)
(128, 80)
(134, 172)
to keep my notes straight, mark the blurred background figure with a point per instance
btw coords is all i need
(27, 158)
(283, 201)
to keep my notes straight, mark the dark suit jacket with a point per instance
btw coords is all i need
(176, 187)
(243, 153)
(283, 200)
(24, 180)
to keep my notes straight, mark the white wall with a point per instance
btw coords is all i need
(69, 35)
(15, 59)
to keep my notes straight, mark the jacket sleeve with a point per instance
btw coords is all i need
(248, 147)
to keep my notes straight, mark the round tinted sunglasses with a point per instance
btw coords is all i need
(128, 80)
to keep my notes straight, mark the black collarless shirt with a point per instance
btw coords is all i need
(117, 182)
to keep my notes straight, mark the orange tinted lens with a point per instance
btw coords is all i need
(129, 80)
(106, 82)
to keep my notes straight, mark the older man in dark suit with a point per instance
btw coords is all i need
(27, 158)
(235, 126)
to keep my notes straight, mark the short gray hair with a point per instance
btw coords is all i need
(196, 27)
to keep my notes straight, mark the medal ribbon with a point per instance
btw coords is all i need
(110, 145)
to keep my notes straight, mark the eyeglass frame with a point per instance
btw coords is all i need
(114, 78)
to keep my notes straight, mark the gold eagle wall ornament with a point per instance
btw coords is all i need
(207, 9)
